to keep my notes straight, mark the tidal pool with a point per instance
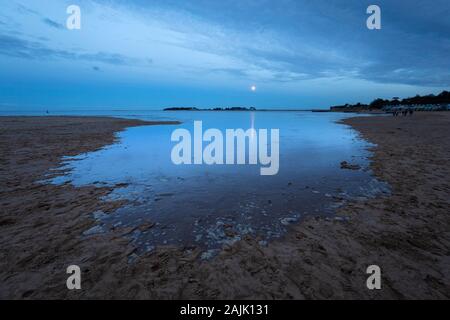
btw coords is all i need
(209, 206)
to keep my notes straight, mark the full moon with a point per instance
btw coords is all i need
(253, 88)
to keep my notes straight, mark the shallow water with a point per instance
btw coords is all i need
(209, 206)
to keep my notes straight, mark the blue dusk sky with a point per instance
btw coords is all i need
(136, 54)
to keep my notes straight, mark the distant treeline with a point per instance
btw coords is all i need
(211, 109)
(442, 98)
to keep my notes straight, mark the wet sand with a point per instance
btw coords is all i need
(407, 233)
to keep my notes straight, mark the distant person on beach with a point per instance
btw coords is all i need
(411, 112)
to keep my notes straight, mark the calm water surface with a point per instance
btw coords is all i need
(209, 206)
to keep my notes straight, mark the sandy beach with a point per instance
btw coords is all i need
(406, 233)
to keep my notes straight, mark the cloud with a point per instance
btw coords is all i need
(230, 71)
(431, 76)
(105, 57)
(290, 40)
(32, 50)
(52, 23)
(25, 10)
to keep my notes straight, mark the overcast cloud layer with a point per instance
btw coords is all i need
(153, 54)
